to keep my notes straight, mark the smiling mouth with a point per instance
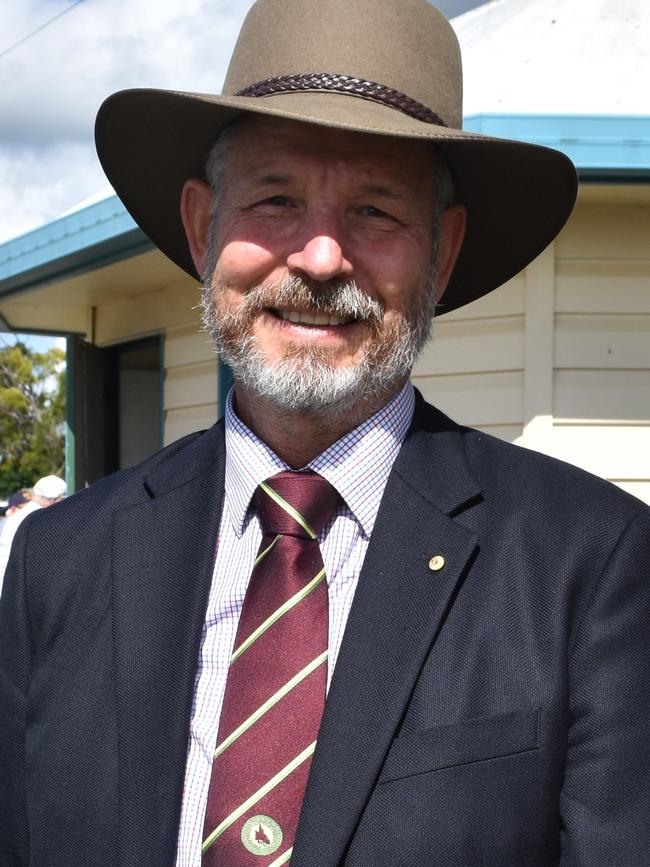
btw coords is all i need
(304, 317)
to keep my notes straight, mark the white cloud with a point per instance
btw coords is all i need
(54, 83)
(38, 183)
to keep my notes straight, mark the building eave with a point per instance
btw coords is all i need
(612, 148)
(90, 238)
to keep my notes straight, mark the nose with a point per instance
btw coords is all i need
(321, 258)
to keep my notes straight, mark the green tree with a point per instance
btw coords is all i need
(32, 415)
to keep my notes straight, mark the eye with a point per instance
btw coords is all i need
(372, 211)
(277, 201)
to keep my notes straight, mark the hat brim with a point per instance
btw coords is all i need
(518, 195)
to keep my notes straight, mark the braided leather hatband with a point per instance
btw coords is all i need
(334, 83)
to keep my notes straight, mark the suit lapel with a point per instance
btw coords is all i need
(163, 559)
(399, 606)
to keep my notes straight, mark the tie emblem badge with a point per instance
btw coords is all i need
(261, 835)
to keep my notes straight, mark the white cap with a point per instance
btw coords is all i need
(50, 487)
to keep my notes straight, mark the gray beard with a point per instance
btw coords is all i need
(305, 380)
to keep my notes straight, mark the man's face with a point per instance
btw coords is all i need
(320, 261)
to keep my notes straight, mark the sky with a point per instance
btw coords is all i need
(52, 84)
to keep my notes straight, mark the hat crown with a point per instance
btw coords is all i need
(406, 45)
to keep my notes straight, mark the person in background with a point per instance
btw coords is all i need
(17, 500)
(46, 492)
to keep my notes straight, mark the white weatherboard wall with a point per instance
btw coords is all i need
(191, 372)
(559, 358)
(602, 344)
(474, 368)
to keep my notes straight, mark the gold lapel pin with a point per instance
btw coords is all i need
(436, 563)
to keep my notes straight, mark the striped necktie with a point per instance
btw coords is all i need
(275, 692)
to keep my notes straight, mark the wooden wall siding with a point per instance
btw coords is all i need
(603, 395)
(601, 358)
(608, 341)
(473, 368)
(188, 345)
(180, 422)
(507, 300)
(605, 231)
(604, 286)
(475, 346)
(617, 451)
(191, 382)
(477, 399)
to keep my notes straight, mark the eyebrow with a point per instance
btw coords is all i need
(275, 179)
(380, 190)
(272, 180)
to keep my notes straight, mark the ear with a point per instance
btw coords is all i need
(451, 235)
(196, 211)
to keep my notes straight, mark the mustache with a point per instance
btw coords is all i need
(337, 297)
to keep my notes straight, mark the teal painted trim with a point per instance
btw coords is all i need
(608, 143)
(115, 250)
(70, 468)
(92, 237)
(225, 383)
(64, 236)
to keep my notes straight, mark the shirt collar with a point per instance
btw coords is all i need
(357, 465)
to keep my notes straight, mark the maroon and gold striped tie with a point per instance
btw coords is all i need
(275, 692)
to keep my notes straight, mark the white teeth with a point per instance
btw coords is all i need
(311, 318)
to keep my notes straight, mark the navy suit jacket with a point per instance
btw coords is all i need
(493, 712)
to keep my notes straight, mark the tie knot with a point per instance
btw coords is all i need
(295, 504)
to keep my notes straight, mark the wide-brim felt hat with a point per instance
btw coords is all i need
(385, 67)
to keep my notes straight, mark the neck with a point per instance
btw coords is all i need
(297, 438)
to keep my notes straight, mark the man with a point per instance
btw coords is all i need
(46, 492)
(477, 613)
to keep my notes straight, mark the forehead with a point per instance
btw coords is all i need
(259, 141)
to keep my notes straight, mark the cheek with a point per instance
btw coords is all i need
(401, 296)
(244, 263)
(397, 273)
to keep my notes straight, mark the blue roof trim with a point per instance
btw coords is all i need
(86, 239)
(609, 148)
(599, 144)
